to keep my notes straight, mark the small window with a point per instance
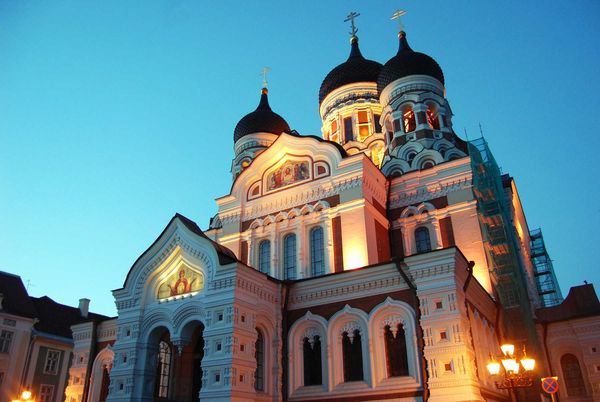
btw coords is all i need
(264, 256)
(348, 130)
(439, 305)
(259, 355)
(163, 370)
(312, 361)
(376, 119)
(220, 317)
(395, 351)
(422, 240)
(46, 393)
(218, 346)
(289, 256)
(432, 118)
(443, 336)
(448, 366)
(409, 121)
(51, 365)
(333, 134)
(5, 340)
(352, 356)
(217, 377)
(363, 125)
(242, 347)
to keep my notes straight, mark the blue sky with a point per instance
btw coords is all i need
(115, 115)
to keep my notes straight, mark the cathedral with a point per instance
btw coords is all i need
(383, 259)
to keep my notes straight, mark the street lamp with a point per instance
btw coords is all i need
(25, 397)
(512, 379)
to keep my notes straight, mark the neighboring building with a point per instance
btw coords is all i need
(570, 332)
(384, 261)
(35, 341)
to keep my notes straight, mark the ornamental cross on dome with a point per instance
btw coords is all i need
(264, 74)
(351, 18)
(397, 15)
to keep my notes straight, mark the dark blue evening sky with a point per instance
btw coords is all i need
(115, 115)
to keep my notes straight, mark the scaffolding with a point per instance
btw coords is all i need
(545, 279)
(501, 246)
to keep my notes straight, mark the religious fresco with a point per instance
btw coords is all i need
(183, 281)
(290, 172)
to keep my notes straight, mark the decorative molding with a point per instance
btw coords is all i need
(431, 271)
(305, 197)
(428, 192)
(350, 289)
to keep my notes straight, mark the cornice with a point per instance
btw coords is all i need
(425, 193)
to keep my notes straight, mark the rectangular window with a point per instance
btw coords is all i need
(46, 392)
(5, 340)
(376, 118)
(348, 130)
(333, 134)
(289, 256)
(363, 125)
(51, 366)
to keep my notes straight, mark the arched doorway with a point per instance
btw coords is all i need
(188, 371)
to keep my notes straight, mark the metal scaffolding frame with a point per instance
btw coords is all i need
(545, 279)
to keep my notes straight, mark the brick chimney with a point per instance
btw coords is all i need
(84, 306)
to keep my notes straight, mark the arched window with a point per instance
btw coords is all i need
(289, 256)
(163, 370)
(410, 156)
(409, 121)
(422, 240)
(264, 256)
(395, 351)
(317, 255)
(352, 356)
(432, 118)
(572, 375)
(312, 361)
(259, 354)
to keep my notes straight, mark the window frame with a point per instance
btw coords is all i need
(418, 241)
(317, 251)
(43, 396)
(51, 364)
(290, 263)
(264, 258)
(6, 338)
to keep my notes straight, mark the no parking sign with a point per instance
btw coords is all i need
(550, 384)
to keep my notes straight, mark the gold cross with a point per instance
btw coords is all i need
(264, 74)
(397, 14)
(351, 17)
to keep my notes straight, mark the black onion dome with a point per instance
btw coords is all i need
(263, 119)
(355, 69)
(407, 62)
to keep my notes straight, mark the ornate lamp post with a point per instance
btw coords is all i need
(512, 377)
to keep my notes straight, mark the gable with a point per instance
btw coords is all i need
(179, 264)
(290, 161)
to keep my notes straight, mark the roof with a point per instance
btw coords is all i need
(355, 69)
(408, 62)
(225, 255)
(582, 301)
(263, 119)
(56, 319)
(16, 300)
